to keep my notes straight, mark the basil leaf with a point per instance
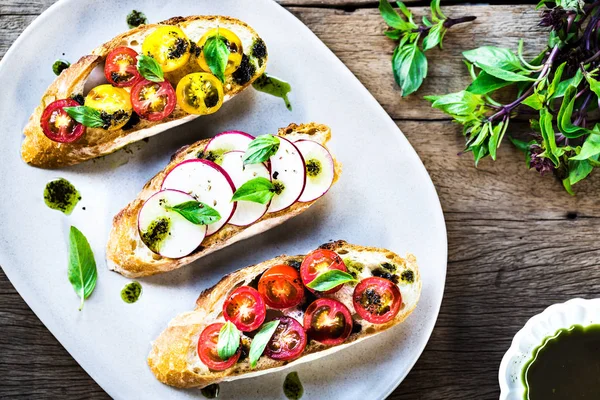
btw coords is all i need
(391, 17)
(579, 170)
(590, 148)
(85, 115)
(261, 148)
(196, 212)
(563, 121)
(549, 140)
(82, 265)
(229, 341)
(149, 68)
(216, 54)
(434, 37)
(460, 103)
(410, 68)
(258, 190)
(555, 80)
(486, 83)
(329, 279)
(436, 12)
(504, 74)
(521, 145)
(535, 101)
(260, 341)
(492, 56)
(562, 87)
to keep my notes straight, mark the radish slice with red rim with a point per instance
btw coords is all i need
(225, 142)
(320, 169)
(288, 174)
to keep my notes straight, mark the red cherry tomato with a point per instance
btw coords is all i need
(281, 287)
(153, 100)
(320, 261)
(120, 68)
(207, 349)
(288, 341)
(57, 125)
(328, 321)
(377, 300)
(245, 308)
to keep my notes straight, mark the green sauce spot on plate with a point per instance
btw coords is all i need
(292, 387)
(131, 292)
(273, 86)
(61, 195)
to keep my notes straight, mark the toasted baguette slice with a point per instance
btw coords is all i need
(128, 255)
(174, 358)
(40, 151)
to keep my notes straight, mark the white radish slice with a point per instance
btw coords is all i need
(319, 169)
(224, 142)
(206, 182)
(288, 174)
(166, 232)
(246, 212)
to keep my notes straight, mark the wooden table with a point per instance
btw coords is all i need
(517, 242)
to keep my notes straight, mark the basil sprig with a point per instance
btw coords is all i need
(258, 190)
(229, 341)
(260, 341)
(86, 116)
(150, 69)
(330, 279)
(216, 54)
(261, 148)
(196, 212)
(82, 265)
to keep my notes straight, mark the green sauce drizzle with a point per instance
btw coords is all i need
(157, 232)
(59, 66)
(273, 86)
(292, 387)
(211, 391)
(61, 195)
(131, 292)
(136, 18)
(313, 168)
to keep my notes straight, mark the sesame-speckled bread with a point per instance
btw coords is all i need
(39, 151)
(128, 255)
(174, 358)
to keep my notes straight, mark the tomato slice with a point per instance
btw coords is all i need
(169, 46)
(200, 93)
(377, 300)
(288, 341)
(207, 349)
(328, 321)
(120, 68)
(233, 43)
(113, 102)
(153, 100)
(57, 125)
(245, 308)
(281, 287)
(319, 261)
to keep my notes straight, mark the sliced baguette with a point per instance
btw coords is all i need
(39, 151)
(128, 255)
(174, 359)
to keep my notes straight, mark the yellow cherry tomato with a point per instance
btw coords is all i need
(200, 93)
(169, 46)
(234, 44)
(113, 102)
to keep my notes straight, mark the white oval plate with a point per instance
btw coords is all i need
(384, 198)
(539, 327)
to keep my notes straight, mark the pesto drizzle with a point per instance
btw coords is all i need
(273, 86)
(131, 292)
(61, 195)
(292, 387)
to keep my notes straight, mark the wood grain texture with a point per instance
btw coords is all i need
(517, 242)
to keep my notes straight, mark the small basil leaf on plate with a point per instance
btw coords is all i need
(196, 212)
(229, 341)
(330, 279)
(216, 54)
(258, 190)
(149, 68)
(82, 266)
(261, 148)
(260, 341)
(86, 116)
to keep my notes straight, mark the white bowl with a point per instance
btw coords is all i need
(564, 315)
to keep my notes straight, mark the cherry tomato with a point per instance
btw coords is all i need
(328, 321)
(169, 46)
(245, 308)
(233, 43)
(288, 341)
(120, 68)
(281, 287)
(153, 100)
(207, 349)
(319, 261)
(377, 300)
(200, 93)
(57, 125)
(112, 101)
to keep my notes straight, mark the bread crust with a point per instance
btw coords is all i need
(37, 150)
(128, 255)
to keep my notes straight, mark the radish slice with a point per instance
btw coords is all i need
(224, 142)
(288, 174)
(166, 232)
(208, 183)
(246, 212)
(319, 169)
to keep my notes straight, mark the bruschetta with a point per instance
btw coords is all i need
(230, 336)
(141, 83)
(218, 191)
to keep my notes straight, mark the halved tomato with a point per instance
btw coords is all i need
(207, 349)
(169, 46)
(281, 287)
(288, 341)
(233, 43)
(377, 300)
(120, 68)
(57, 125)
(328, 321)
(245, 308)
(319, 261)
(200, 93)
(113, 102)
(153, 100)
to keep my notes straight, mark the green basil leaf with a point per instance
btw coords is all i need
(579, 170)
(391, 17)
(261, 148)
(434, 36)
(549, 139)
(479, 153)
(594, 84)
(563, 121)
(521, 145)
(229, 341)
(196, 212)
(492, 56)
(504, 74)
(410, 68)
(562, 87)
(436, 11)
(260, 341)
(459, 103)
(86, 116)
(393, 34)
(258, 190)
(555, 80)
(590, 148)
(486, 83)
(329, 279)
(82, 265)
(535, 101)
(426, 21)
(216, 54)
(149, 68)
